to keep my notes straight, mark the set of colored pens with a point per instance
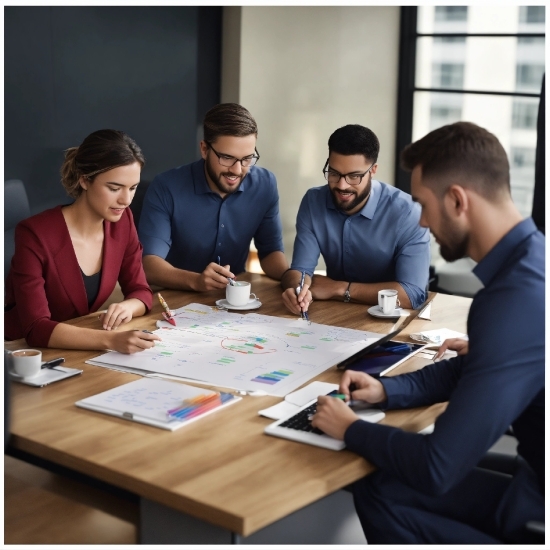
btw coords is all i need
(197, 405)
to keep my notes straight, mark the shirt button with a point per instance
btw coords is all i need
(219, 244)
(223, 225)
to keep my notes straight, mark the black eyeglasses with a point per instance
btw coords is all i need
(228, 161)
(333, 177)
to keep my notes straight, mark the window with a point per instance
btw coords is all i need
(531, 14)
(483, 64)
(451, 13)
(523, 157)
(529, 76)
(449, 40)
(447, 75)
(524, 115)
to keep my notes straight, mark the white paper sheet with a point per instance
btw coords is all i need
(247, 352)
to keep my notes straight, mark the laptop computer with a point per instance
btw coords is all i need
(297, 426)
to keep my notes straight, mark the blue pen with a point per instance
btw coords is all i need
(299, 289)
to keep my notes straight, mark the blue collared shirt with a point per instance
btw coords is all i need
(381, 243)
(498, 383)
(189, 225)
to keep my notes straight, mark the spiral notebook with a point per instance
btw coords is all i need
(148, 401)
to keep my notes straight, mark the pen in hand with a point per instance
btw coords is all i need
(231, 281)
(299, 289)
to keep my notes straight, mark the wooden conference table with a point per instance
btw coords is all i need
(219, 479)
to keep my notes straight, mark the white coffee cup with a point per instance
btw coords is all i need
(26, 362)
(387, 301)
(238, 294)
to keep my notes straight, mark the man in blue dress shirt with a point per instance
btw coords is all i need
(428, 488)
(198, 220)
(367, 232)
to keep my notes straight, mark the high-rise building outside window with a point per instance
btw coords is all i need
(482, 64)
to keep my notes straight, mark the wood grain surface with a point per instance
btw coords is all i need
(221, 469)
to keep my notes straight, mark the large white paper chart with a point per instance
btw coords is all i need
(246, 352)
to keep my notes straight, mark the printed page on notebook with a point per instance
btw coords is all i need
(160, 403)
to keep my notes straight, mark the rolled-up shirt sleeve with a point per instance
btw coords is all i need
(306, 246)
(155, 225)
(269, 235)
(412, 258)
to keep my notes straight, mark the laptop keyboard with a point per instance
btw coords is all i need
(301, 421)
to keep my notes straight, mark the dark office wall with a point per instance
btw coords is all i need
(150, 71)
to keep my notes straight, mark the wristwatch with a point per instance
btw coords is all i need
(347, 295)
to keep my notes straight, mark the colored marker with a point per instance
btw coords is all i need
(167, 314)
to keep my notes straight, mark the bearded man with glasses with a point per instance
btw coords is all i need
(366, 230)
(198, 220)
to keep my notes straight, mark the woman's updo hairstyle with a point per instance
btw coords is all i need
(100, 151)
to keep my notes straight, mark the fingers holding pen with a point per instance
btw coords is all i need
(304, 298)
(132, 341)
(215, 276)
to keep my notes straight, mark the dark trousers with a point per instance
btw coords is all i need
(485, 508)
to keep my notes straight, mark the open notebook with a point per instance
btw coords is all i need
(148, 401)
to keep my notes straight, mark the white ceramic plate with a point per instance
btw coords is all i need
(375, 311)
(252, 304)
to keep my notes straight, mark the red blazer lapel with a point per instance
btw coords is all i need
(110, 267)
(70, 276)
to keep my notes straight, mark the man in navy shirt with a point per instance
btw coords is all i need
(198, 220)
(367, 232)
(427, 488)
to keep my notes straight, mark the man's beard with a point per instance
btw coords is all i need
(353, 203)
(456, 245)
(216, 179)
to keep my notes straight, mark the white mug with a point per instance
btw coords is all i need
(238, 294)
(387, 301)
(26, 362)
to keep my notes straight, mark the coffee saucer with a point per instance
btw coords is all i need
(18, 377)
(45, 376)
(252, 304)
(376, 311)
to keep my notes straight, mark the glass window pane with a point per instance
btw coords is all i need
(451, 13)
(532, 14)
(493, 19)
(484, 64)
(512, 120)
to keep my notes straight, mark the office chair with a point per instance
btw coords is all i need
(507, 464)
(16, 208)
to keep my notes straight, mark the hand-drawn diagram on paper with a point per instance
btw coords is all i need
(248, 352)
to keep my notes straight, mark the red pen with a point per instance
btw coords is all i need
(167, 314)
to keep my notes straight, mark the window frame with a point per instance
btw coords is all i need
(408, 36)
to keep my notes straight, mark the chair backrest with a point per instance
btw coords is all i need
(16, 208)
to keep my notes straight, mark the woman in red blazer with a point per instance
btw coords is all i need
(68, 259)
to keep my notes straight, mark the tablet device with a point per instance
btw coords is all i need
(383, 358)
